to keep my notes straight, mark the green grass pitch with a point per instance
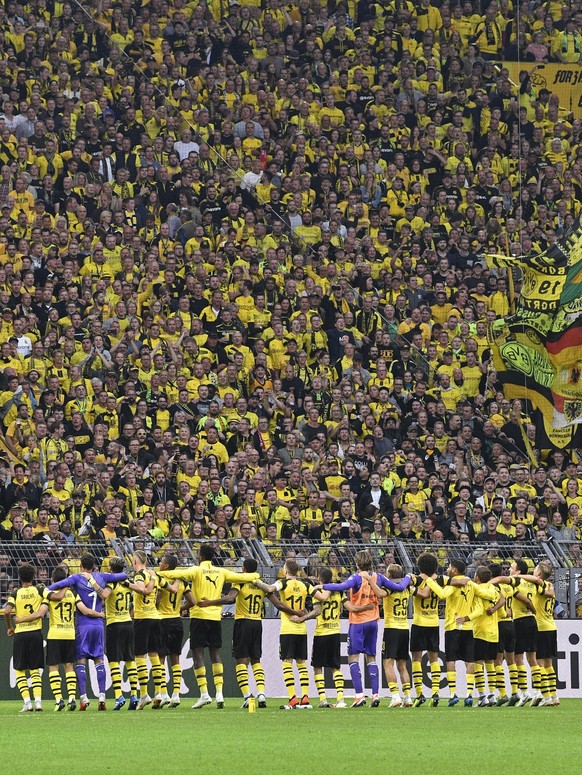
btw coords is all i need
(423, 741)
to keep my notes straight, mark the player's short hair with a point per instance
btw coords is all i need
(521, 565)
(483, 573)
(116, 564)
(292, 567)
(141, 556)
(325, 575)
(88, 562)
(171, 561)
(427, 563)
(363, 559)
(206, 552)
(458, 564)
(26, 573)
(395, 571)
(59, 573)
(495, 568)
(545, 569)
(250, 565)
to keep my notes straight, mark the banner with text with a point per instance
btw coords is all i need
(563, 80)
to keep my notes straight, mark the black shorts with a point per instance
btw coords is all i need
(172, 637)
(326, 651)
(484, 650)
(424, 638)
(506, 637)
(205, 634)
(459, 646)
(59, 651)
(395, 643)
(147, 636)
(526, 635)
(292, 647)
(247, 639)
(28, 652)
(119, 642)
(547, 644)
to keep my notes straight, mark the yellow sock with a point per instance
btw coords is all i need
(115, 670)
(552, 683)
(392, 687)
(491, 676)
(452, 682)
(513, 678)
(22, 685)
(417, 677)
(142, 675)
(338, 680)
(406, 689)
(242, 678)
(289, 679)
(435, 676)
(303, 678)
(71, 681)
(522, 678)
(131, 668)
(501, 680)
(470, 684)
(259, 674)
(536, 676)
(55, 684)
(36, 684)
(320, 685)
(158, 674)
(480, 678)
(176, 678)
(545, 682)
(218, 675)
(200, 674)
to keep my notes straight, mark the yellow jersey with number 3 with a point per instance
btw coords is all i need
(26, 601)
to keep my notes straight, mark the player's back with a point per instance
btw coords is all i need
(505, 613)
(144, 606)
(295, 594)
(328, 621)
(249, 602)
(207, 584)
(458, 602)
(426, 609)
(396, 609)
(485, 626)
(88, 596)
(169, 603)
(545, 606)
(26, 601)
(520, 610)
(119, 604)
(61, 616)
(363, 595)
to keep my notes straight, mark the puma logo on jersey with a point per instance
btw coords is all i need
(210, 580)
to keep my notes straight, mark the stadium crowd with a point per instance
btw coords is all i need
(242, 291)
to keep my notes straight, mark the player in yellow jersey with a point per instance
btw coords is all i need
(505, 643)
(247, 636)
(526, 630)
(60, 644)
(326, 641)
(486, 601)
(294, 593)
(173, 597)
(207, 581)
(147, 633)
(459, 645)
(396, 641)
(547, 644)
(27, 653)
(424, 633)
(119, 636)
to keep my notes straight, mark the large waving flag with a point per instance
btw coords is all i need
(538, 350)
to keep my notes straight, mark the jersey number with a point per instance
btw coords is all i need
(330, 610)
(65, 611)
(254, 603)
(122, 601)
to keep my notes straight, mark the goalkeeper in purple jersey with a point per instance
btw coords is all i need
(90, 631)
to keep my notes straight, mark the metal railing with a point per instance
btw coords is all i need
(45, 555)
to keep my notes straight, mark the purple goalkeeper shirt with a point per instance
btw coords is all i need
(87, 594)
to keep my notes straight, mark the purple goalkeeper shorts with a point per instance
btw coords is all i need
(90, 641)
(363, 638)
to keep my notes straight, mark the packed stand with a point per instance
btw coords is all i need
(242, 290)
